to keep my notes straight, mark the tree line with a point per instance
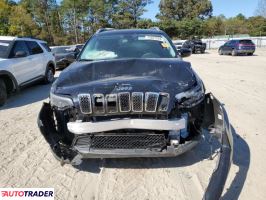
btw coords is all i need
(73, 21)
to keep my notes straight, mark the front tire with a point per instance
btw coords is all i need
(49, 75)
(220, 52)
(3, 93)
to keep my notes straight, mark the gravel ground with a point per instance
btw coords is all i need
(238, 82)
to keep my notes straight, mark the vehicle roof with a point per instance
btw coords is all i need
(126, 31)
(11, 38)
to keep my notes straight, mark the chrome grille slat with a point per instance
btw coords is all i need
(151, 100)
(124, 101)
(85, 103)
(137, 101)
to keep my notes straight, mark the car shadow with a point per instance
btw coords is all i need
(27, 96)
(241, 158)
(241, 55)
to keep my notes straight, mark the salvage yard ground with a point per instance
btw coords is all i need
(238, 82)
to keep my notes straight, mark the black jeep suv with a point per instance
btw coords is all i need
(130, 94)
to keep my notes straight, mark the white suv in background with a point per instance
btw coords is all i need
(22, 62)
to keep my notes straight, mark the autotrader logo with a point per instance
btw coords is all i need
(27, 193)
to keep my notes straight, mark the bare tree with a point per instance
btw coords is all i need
(261, 9)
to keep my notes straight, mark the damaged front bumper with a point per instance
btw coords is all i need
(215, 120)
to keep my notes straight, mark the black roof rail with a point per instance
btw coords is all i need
(104, 29)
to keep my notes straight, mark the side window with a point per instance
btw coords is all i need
(19, 46)
(232, 42)
(34, 47)
(227, 43)
(47, 48)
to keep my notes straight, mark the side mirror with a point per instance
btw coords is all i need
(184, 52)
(20, 54)
(77, 54)
(70, 56)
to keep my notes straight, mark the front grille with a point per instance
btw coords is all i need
(151, 100)
(124, 102)
(85, 103)
(137, 101)
(147, 141)
(164, 102)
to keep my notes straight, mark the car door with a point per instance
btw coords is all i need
(20, 66)
(227, 47)
(37, 58)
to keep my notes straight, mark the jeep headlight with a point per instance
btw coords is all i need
(191, 97)
(60, 102)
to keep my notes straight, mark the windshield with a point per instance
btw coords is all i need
(60, 49)
(115, 46)
(4, 45)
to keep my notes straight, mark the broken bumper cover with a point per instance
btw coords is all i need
(67, 153)
(215, 118)
(80, 128)
(216, 115)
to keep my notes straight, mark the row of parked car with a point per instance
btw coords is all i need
(26, 60)
(231, 47)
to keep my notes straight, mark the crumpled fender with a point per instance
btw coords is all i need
(217, 119)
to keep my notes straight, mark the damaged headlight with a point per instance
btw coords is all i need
(60, 102)
(191, 97)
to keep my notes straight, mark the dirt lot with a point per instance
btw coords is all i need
(238, 82)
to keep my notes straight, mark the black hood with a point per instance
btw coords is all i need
(145, 75)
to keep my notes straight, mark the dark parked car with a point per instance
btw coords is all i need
(236, 47)
(79, 46)
(196, 45)
(130, 94)
(178, 45)
(64, 55)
